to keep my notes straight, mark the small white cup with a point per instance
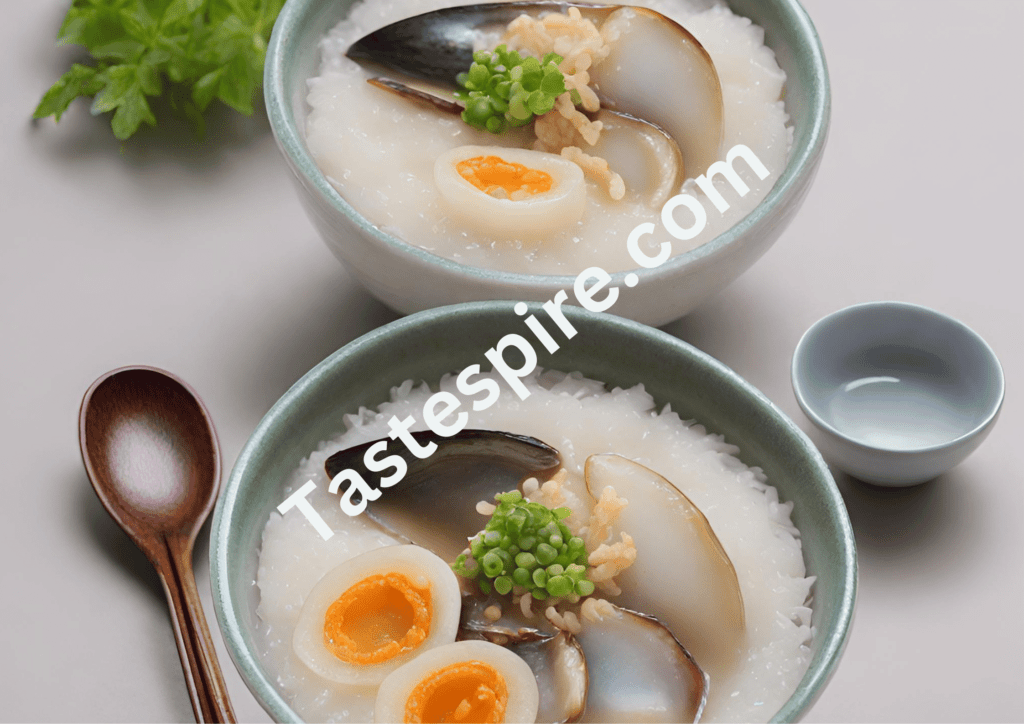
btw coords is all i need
(900, 392)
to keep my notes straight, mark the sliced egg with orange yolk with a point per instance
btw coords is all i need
(467, 681)
(510, 193)
(375, 612)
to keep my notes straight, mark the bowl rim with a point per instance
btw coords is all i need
(811, 684)
(292, 144)
(799, 372)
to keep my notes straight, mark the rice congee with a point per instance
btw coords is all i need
(391, 159)
(632, 559)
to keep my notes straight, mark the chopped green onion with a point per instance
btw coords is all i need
(507, 562)
(496, 125)
(526, 560)
(540, 577)
(546, 554)
(559, 586)
(513, 496)
(584, 587)
(492, 564)
(521, 577)
(526, 544)
(504, 89)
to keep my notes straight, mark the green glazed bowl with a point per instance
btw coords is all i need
(622, 353)
(410, 279)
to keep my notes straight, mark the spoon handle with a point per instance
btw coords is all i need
(206, 687)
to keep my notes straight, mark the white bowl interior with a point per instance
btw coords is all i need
(897, 377)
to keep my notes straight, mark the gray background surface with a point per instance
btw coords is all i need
(198, 259)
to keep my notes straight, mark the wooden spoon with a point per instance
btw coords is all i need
(151, 453)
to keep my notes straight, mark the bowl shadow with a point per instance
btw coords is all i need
(114, 543)
(107, 536)
(909, 535)
(286, 347)
(96, 527)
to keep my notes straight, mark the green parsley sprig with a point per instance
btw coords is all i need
(191, 50)
(526, 544)
(505, 89)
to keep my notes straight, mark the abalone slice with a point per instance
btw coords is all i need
(562, 676)
(681, 575)
(684, 98)
(512, 626)
(638, 671)
(434, 504)
(646, 157)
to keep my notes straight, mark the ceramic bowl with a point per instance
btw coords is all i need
(900, 392)
(618, 351)
(410, 279)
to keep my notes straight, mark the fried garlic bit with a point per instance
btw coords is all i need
(606, 558)
(596, 168)
(609, 561)
(596, 609)
(580, 44)
(606, 512)
(577, 40)
(555, 494)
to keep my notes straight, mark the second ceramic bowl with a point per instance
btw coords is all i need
(622, 353)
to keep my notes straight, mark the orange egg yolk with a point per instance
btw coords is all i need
(497, 177)
(467, 691)
(377, 619)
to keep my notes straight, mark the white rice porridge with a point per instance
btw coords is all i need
(579, 417)
(379, 150)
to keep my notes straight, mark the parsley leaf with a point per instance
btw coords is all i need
(193, 51)
(79, 81)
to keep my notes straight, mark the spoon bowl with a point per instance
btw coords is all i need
(151, 454)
